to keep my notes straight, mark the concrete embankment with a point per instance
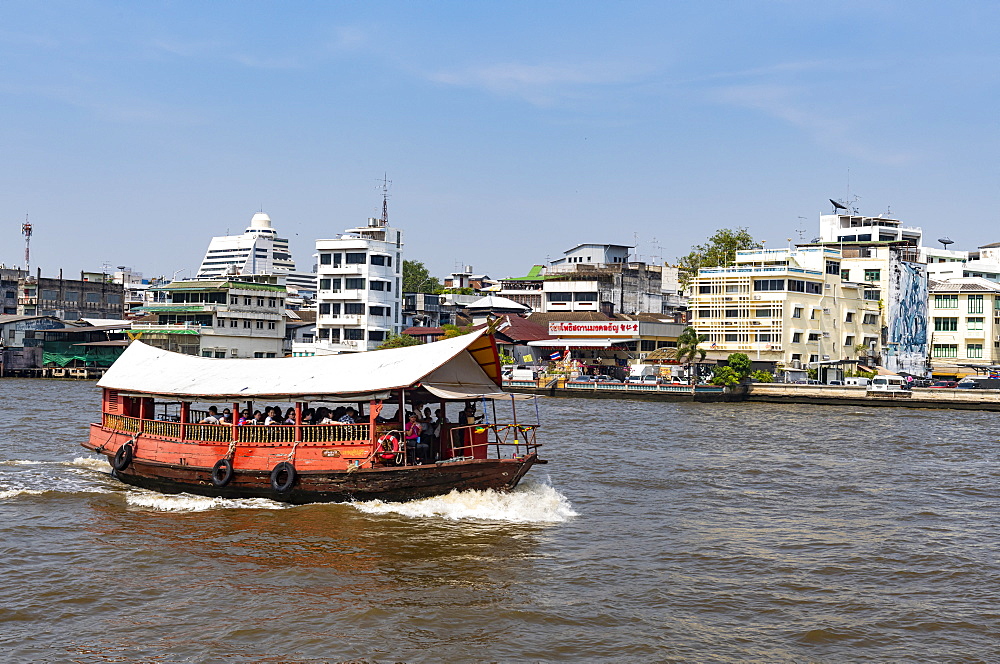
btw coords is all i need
(823, 395)
(835, 395)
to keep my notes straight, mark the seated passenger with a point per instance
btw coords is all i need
(212, 417)
(348, 416)
(227, 417)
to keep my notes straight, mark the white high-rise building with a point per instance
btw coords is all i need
(359, 298)
(258, 250)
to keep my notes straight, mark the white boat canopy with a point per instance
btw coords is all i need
(460, 368)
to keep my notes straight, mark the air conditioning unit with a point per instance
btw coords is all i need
(796, 364)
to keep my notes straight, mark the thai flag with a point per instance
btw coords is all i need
(555, 356)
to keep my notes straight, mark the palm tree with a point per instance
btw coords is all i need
(687, 348)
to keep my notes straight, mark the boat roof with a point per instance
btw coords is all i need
(465, 367)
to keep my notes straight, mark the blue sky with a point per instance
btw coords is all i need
(133, 132)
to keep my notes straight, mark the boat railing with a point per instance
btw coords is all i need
(254, 434)
(508, 440)
(212, 433)
(122, 423)
(271, 433)
(335, 433)
(161, 428)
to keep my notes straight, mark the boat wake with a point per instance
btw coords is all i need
(14, 493)
(530, 502)
(186, 502)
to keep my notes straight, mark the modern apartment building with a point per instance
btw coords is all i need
(238, 317)
(258, 250)
(965, 324)
(789, 306)
(359, 296)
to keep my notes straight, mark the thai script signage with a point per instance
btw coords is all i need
(594, 328)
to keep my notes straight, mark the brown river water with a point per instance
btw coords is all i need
(657, 533)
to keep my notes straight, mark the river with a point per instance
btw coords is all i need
(658, 532)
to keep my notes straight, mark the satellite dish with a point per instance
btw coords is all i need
(946, 241)
(837, 206)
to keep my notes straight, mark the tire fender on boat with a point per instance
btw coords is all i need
(123, 457)
(222, 472)
(288, 469)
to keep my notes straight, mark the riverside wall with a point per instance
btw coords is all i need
(824, 395)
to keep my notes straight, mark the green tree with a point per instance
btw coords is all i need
(416, 278)
(452, 331)
(724, 376)
(687, 350)
(720, 250)
(398, 341)
(740, 363)
(455, 291)
(506, 357)
(762, 376)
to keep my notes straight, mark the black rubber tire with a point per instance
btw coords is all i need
(123, 457)
(222, 472)
(288, 469)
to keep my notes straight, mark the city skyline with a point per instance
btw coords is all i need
(135, 133)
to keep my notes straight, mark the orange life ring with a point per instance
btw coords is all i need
(388, 443)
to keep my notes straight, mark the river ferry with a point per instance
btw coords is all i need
(155, 401)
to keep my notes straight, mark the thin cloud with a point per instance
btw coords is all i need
(215, 50)
(542, 85)
(837, 132)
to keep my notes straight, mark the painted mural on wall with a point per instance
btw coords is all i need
(906, 339)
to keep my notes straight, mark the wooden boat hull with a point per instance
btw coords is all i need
(389, 484)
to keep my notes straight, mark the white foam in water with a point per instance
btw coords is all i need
(529, 503)
(91, 463)
(13, 493)
(186, 502)
(19, 462)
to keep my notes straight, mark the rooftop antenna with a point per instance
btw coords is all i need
(945, 241)
(385, 198)
(26, 232)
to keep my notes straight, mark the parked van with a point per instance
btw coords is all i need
(857, 381)
(520, 372)
(887, 384)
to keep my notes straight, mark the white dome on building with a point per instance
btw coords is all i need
(259, 221)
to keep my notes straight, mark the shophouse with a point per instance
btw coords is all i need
(790, 307)
(93, 295)
(965, 325)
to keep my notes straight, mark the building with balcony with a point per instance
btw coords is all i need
(965, 325)
(590, 278)
(790, 307)
(359, 303)
(238, 317)
(94, 295)
(851, 228)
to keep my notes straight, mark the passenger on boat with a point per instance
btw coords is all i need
(274, 416)
(307, 416)
(258, 417)
(245, 417)
(329, 417)
(290, 416)
(212, 417)
(348, 416)
(437, 431)
(415, 450)
(227, 417)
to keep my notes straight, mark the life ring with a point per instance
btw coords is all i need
(123, 457)
(388, 443)
(222, 472)
(288, 469)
